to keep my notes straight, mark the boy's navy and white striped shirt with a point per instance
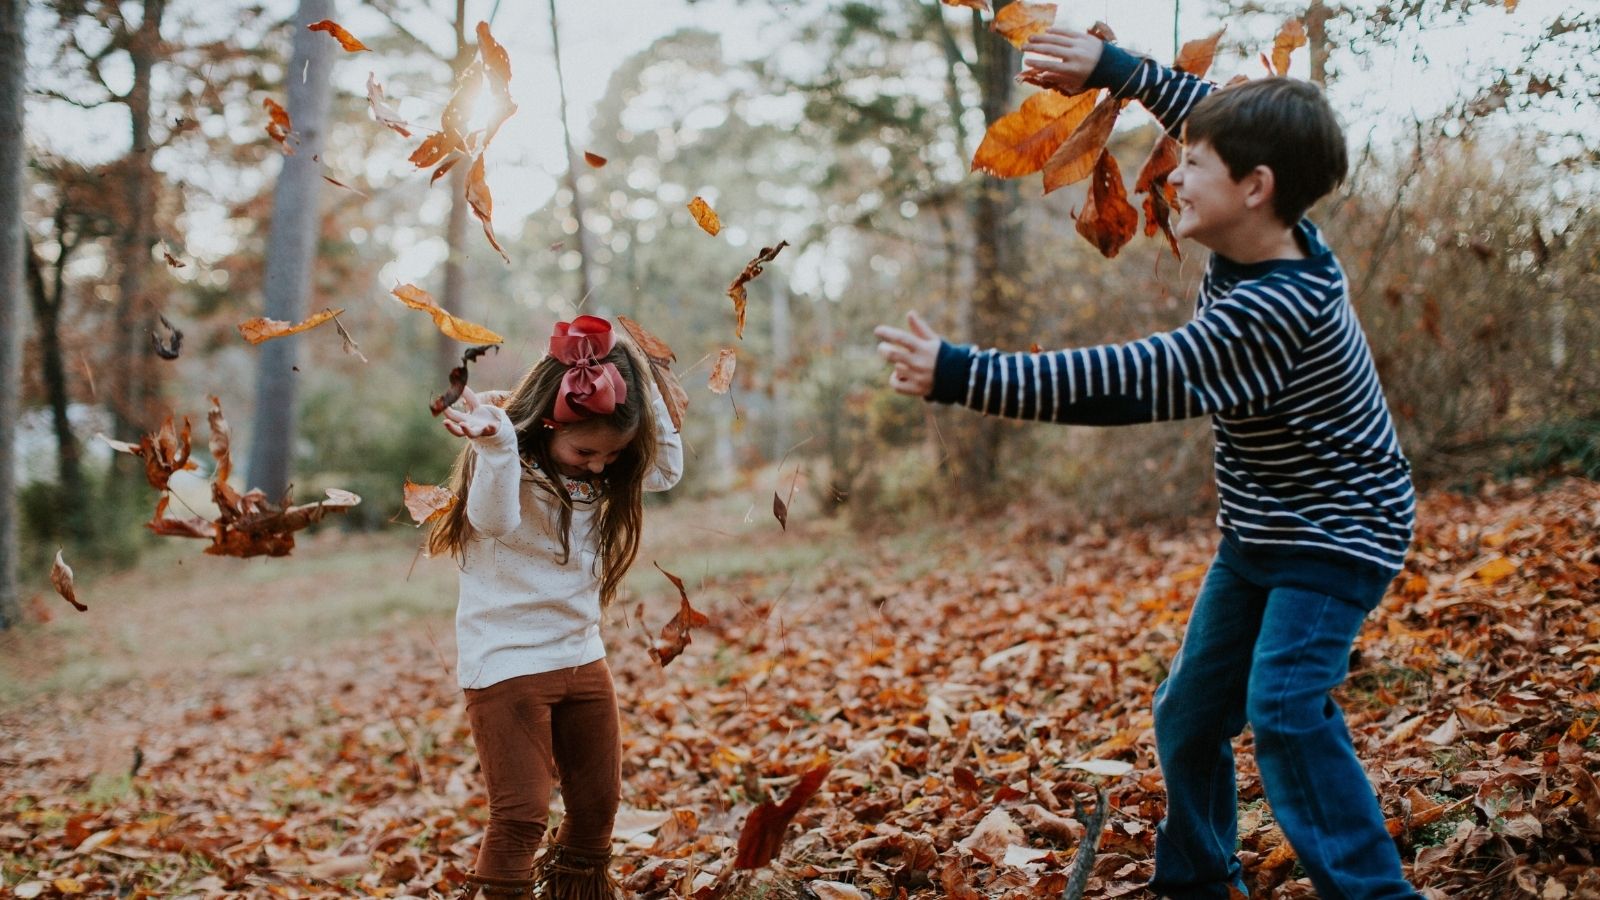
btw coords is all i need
(1307, 461)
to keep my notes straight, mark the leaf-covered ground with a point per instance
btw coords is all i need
(951, 681)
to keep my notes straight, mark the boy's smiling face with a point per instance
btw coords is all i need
(1211, 203)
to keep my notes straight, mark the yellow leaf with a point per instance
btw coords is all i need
(705, 216)
(1020, 21)
(69, 885)
(1290, 36)
(1494, 570)
(263, 329)
(453, 327)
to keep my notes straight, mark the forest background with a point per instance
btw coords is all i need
(153, 199)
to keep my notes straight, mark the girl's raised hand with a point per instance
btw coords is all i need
(1063, 61)
(912, 353)
(479, 419)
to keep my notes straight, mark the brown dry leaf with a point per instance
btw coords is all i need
(279, 127)
(166, 451)
(1075, 159)
(172, 261)
(262, 329)
(339, 184)
(1019, 21)
(482, 204)
(594, 159)
(387, 115)
(736, 290)
(705, 216)
(761, 838)
(497, 71)
(346, 40)
(1196, 56)
(191, 527)
(454, 327)
(675, 635)
(780, 511)
(722, 372)
(434, 148)
(1020, 142)
(426, 502)
(458, 379)
(661, 358)
(979, 5)
(1291, 36)
(1152, 180)
(167, 347)
(61, 580)
(1108, 220)
(221, 440)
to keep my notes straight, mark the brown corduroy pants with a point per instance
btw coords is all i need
(533, 732)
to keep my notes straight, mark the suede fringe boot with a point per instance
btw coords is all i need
(497, 888)
(566, 874)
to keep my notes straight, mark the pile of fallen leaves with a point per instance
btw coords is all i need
(964, 704)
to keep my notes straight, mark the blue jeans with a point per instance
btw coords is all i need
(1267, 655)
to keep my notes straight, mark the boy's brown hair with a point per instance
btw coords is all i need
(1284, 124)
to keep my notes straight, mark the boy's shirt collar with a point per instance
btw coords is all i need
(1317, 256)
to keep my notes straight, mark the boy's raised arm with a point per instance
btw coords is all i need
(1067, 61)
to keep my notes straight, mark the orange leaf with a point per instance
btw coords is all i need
(261, 329)
(661, 358)
(61, 580)
(705, 216)
(381, 110)
(1019, 143)
(172, 261)
(1196, 55)
(1019, 21)
(221, 440)
(1108, 220)
(483, 207)
(426, 502)
(497, 68)
(1075, 159)
(345, 38)
(979, 5)
(278, 129)
(456, 328)
(1290, 36)
(594, 159)
(433, 148)
(675, 636)
(1152, 178)
(1494, 570)
(751, 270)
(722, 372)
(761, 838)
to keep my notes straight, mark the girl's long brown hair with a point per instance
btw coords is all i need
(621, 486)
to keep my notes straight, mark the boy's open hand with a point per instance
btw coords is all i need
(479, 420)
(912, 353)
(1064, 60)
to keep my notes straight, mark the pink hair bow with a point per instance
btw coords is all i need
(590, 387)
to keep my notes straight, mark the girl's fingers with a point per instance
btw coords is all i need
(469, 399)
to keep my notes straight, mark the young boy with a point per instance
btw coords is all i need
(1315, 498)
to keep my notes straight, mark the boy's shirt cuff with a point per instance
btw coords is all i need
(952, 369)
(1115, 70)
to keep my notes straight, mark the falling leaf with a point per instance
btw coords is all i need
(761, 838)
(445, 167)
(172, 526)
(675, 635)
(458, 379)
(1152, 181)
(349, 343)
(168, 347)
(221, 440)
(1075, 159)
(426, 502)
(979, 5)
(705, 216)
(164, 452)
(261, 329)
(1196, 56)
(1018, 21)
(661, 358)
(433, 148)
(1108, 220)
(453, 327)
(346, 39)
(1291, 36)
(1103, 31)
(780, 511)
(172, 261)
(497, 68)
(753, 268)
(339, 184)
(279, 127)
(594, 159)
(386, 115)
(1020, 142)
(61, 579)
(482, 204)
(722, 372)
(249, 525)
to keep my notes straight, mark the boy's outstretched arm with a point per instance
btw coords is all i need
(1071, 61)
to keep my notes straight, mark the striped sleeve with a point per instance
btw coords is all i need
(1239, 350)
(1168, 93)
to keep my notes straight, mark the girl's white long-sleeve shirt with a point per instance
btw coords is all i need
(522, 611)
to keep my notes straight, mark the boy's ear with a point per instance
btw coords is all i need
(1260, 185)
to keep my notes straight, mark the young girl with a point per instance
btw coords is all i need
(547, 523)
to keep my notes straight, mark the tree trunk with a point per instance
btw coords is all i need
(995, 251)
(47, 316)
(291, 250)
(581, 236)
(452, 297)
(782, 434)
(12, 147)
(135, 401)
(1317, 16)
